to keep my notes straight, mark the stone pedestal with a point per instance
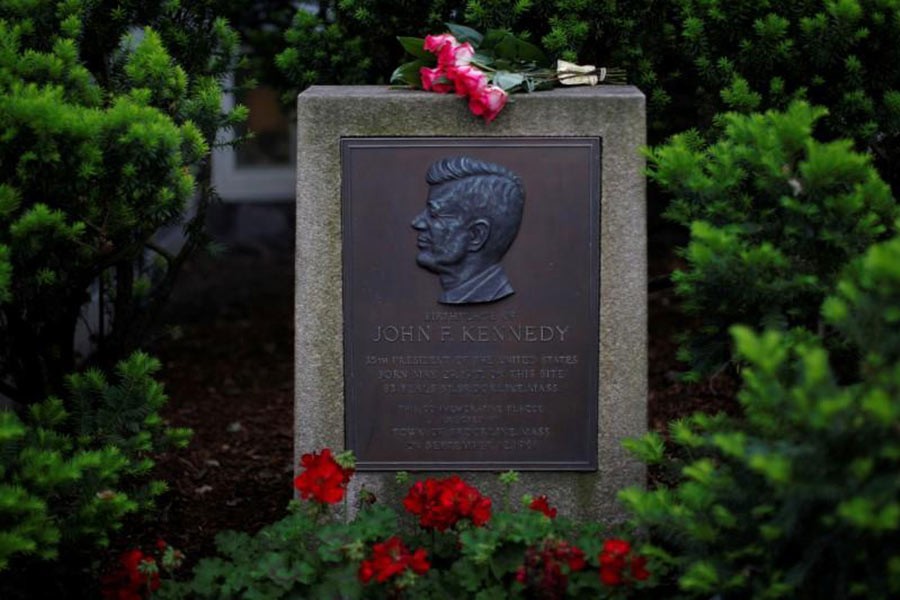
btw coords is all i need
(443, 391)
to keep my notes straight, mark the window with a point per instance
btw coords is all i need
(261, 169)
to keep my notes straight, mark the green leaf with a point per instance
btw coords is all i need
(495, 592)
(465, 34)
(492, 37)
(408, 74)
(512, 48)
(483, 60)
(506, 561)
(415, 46)
(507, 80)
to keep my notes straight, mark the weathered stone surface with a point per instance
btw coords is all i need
(614, 114)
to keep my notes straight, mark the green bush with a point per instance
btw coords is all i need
(693, 59)
(799, 498)
(774, 216)
(865, 307)
(69, 477)
(107, 116)
(108, 111)
(354, 41)
(749, 55)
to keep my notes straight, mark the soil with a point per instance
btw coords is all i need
(227, 366)
(228, 370)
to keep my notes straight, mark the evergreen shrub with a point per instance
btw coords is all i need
(694, 59)
(800, 497)
(108, 112)
(69, 476)
(774, 215)
(755, 55)
(354, 41)
(107, 115)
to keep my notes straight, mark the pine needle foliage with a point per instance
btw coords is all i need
(799, 498)
(774, 215)
(108, 111)
(694, 59)
(749, 55)
(354, 41)
(69, 477)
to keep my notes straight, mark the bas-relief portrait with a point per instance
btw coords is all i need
(471, 218)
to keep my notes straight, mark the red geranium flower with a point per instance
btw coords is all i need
(441, 503)
(136, 574)
(390, 559)
(543, 572)
(616, 548)
(611, 576)
(575, 559)
(614, 557)
(541, 504)
(639, 568)
(323, 479)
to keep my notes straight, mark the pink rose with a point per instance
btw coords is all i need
(488, 102)
(434, 43)
(469, 80)
(435, 80)
(456, 55)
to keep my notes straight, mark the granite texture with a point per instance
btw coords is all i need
(325, 114)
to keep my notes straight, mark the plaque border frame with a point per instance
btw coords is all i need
(594, 146)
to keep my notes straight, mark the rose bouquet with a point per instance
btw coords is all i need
(487, 68)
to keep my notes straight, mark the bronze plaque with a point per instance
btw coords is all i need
(471, 285)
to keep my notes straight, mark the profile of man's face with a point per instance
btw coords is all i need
(471, 216)
(443, 229)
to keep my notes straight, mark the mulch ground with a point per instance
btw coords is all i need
(228, 369)
(227, 366)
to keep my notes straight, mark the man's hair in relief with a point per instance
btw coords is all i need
(484, 189)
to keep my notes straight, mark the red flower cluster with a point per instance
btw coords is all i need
(390, 559)
(456, 73)
(614, 558)
(136, 575)
(543, 570)
(323, 479)
(541, 504)
(441, 503)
